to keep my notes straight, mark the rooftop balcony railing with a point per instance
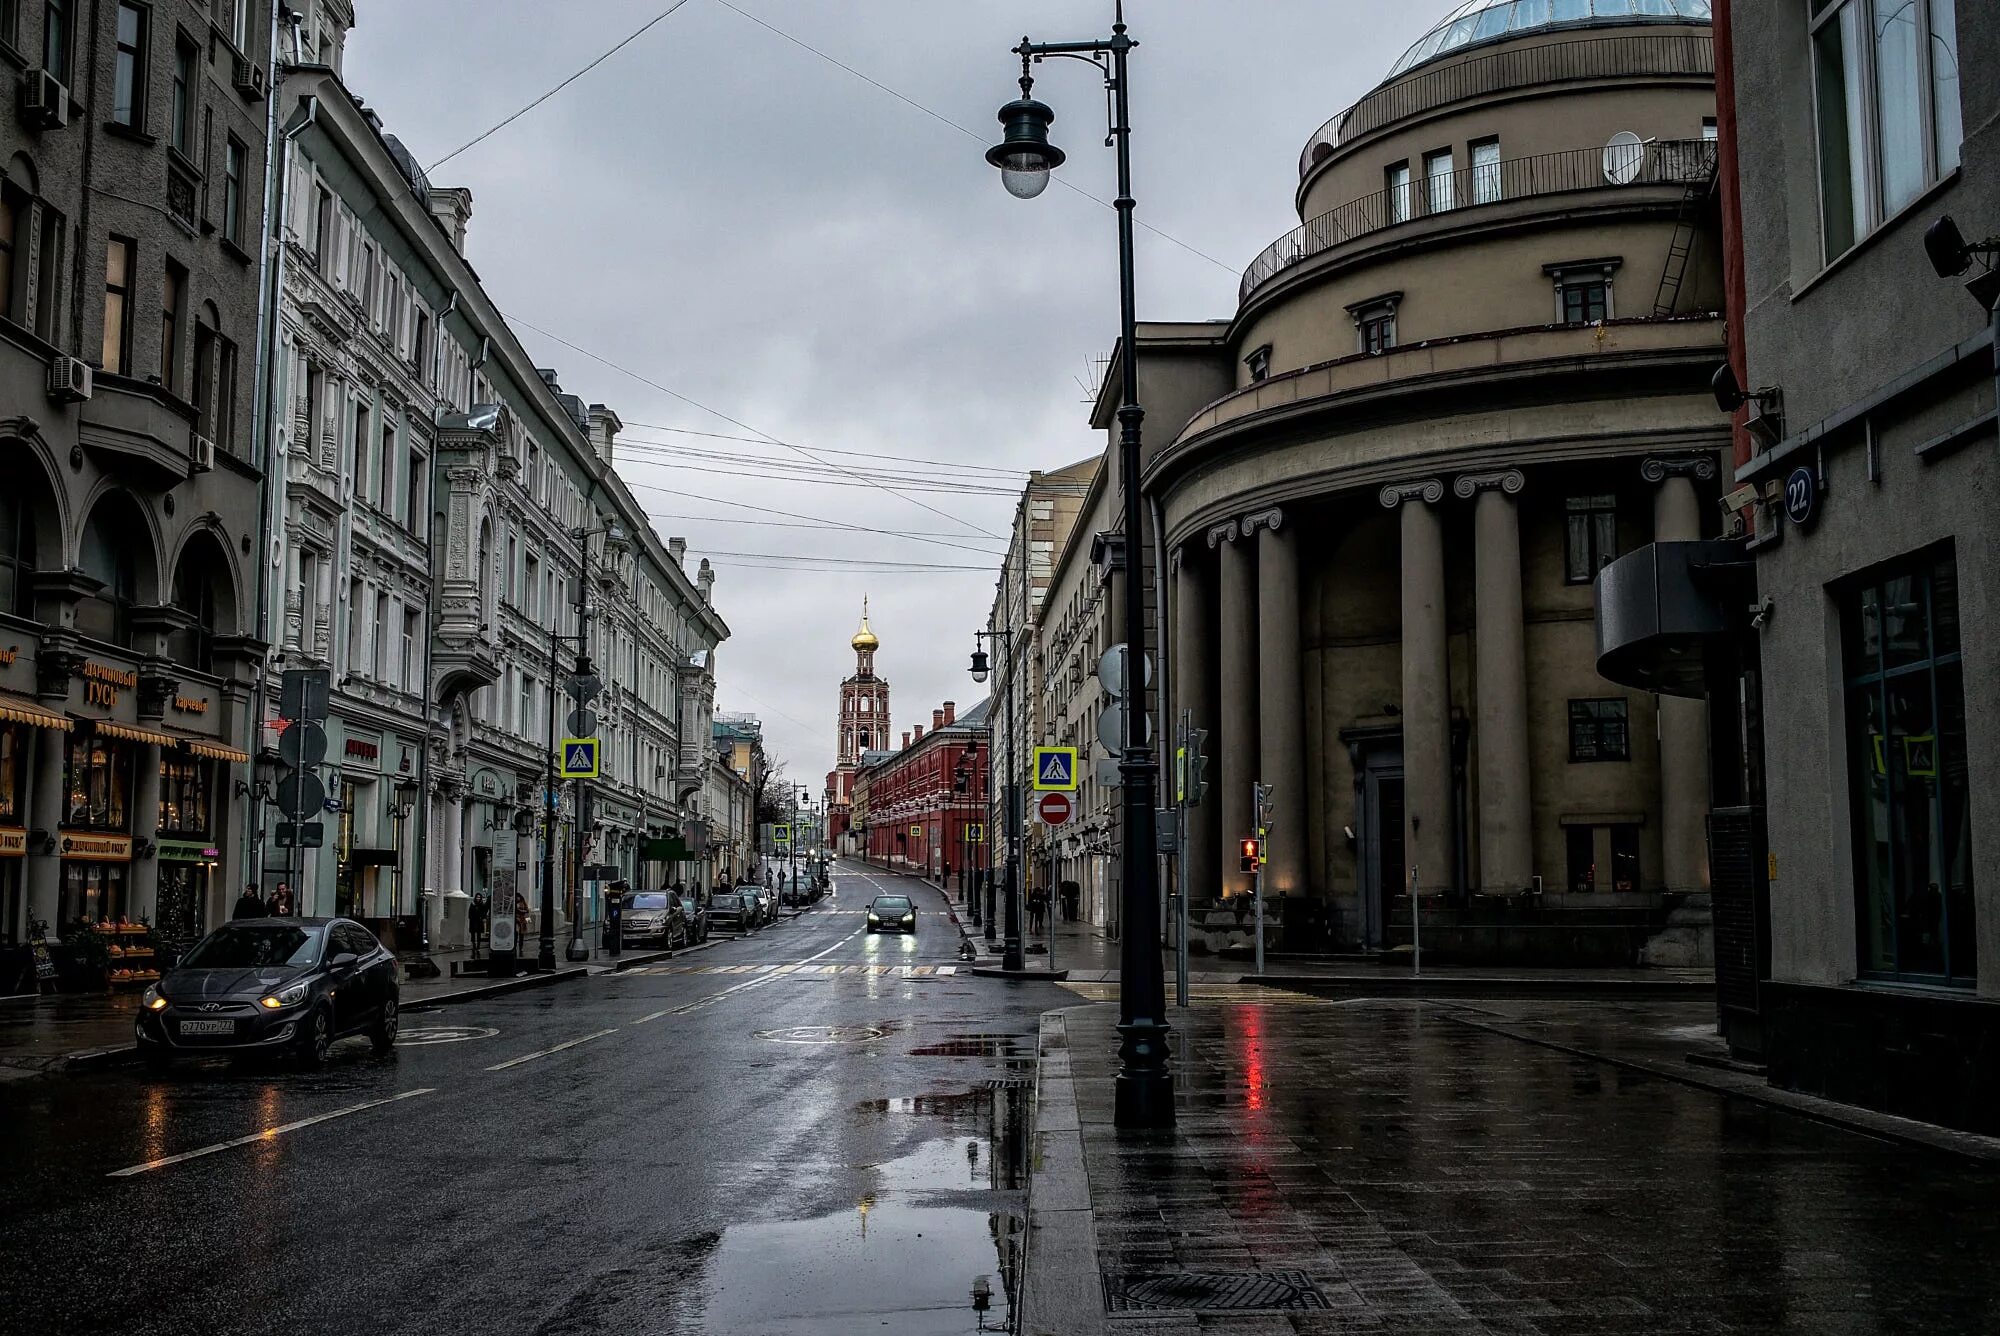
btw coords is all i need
(1659, 162)
(1581, 60)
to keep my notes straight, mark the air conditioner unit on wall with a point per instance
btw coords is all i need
(201, 452)
(44, 100)
(249, 77)
(69, 379)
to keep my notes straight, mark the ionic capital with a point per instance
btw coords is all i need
(1428, 490)
(1658, 468)
(1222, 533)
(1270, 519)
(1509, 481)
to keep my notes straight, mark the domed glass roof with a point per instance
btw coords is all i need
(1477, 22)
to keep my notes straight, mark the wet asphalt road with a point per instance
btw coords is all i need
(706, 1145)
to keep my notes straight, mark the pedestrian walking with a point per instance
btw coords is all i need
(281, 905)
(1071, 895)
(249, 904)
(1038, 909)
(475, 916)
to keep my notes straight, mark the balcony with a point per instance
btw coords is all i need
(1680, 162)
(1583, 60)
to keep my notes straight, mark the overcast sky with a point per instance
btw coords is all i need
(751, 226)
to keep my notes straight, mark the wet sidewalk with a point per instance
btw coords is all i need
(1410, 1166)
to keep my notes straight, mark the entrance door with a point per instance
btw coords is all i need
(1380, 825)
(182, 888)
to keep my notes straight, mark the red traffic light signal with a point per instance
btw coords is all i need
(1251, 853)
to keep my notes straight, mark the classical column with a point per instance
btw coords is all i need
(1280, 701)
(1427, 796)
(1506, 843)
(1683, 722)
(1236, 744)
(45, 815)
(1194, 684)
(143, 890)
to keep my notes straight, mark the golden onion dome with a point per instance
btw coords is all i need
(865, 638)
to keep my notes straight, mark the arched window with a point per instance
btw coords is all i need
(113, 554)
(204, 590)
(17, 553)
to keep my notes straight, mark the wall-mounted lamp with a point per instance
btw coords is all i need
(1766, 419)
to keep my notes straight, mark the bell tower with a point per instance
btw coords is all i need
(864, 699)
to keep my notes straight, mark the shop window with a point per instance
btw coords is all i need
(92, 892)
(13, 775)
(1590, 536)
(1581, 845)
(1624, 858)
(1599, 731)
(1907, 773)
(186, 789)
(97, 777)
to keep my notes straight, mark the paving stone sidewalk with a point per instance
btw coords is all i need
(1412, 1166)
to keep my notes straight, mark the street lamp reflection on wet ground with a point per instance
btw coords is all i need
(982, 1298)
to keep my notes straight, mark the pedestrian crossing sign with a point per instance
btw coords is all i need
(975, 833)
(781, 834)
(578, 759)
(1055, 768)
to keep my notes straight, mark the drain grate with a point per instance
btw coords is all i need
(1005, 1083)
(1211, 1291)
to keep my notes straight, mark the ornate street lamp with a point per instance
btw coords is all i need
(1145, 1091)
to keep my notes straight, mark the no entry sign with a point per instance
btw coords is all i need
(1055, 809)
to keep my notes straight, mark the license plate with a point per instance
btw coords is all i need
(208, 1027)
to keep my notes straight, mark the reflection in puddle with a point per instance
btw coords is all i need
(976, 1046)
(930, 1249)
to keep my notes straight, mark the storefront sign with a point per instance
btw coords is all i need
(13, 842)
(187, 851)
(8, 655)
(102, 682)
(366, 751)
(95, 848)
(191, 704)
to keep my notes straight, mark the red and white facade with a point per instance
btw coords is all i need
(864, 726)
(920, 815)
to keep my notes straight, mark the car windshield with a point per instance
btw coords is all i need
(247, 945)
(891, 903)
(726, 902)
(649, 900)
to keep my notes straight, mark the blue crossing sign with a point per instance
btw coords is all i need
(578, 759)
(1055, 768)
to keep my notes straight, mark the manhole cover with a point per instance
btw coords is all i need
(823, 1034)
(1211, 1291)
(441, 1034)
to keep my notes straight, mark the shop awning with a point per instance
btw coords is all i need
(213, 750)
(20, 710)
(133, 734)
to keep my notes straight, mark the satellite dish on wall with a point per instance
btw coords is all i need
(1624, 155)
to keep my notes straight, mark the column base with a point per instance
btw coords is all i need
(1143, 1095)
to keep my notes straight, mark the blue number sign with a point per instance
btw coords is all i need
(1801, 495)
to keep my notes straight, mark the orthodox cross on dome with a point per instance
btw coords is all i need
(865, 639)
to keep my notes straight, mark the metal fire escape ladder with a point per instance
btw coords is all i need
(1687, 219)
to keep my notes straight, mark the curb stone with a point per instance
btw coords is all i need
(1061, 1292)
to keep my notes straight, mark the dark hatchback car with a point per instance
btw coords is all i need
(272, 985)
(892, 913)
(733, 911)
(697, 922)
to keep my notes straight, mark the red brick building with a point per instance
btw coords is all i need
(926, 802)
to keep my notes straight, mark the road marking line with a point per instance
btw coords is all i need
(947, 969)
(268, 1134)
(655, 1016)
(568, 1043)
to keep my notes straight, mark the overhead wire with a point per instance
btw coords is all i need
(961, 542)
(490, 131)
(828, 450)
(779, 470)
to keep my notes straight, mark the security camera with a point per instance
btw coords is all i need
(1762, 613)
(1951, 255)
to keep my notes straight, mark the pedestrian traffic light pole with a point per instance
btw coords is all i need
(1025, 157)
(1011, 954)
(545, 954)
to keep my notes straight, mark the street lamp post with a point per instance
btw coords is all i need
(1011, 957)
(1144, 1092)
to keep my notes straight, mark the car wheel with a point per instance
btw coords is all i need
(383, 1035)
(317, 1039)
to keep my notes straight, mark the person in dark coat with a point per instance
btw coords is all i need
(475, 916)
(282, 905)
(249, 904)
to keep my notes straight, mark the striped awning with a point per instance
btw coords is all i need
(20, 710)
(214, 751)
(133, 734)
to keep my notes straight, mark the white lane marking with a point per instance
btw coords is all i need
(567, 1043)
(757, 981)
(653, 1017)
(268, 1134)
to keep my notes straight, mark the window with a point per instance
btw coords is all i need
(322, 227)
(97, 779)
(173, 287)
(181, 132)
(184, 794)
(357, 598)
(513, 557)
(232, 191)
(1580, 844)
(420, 344)
(409, 649)
(128, 80)
(1907, 773)
(1375, 322)
(1583, 303)
(1888, 108)
(57, 16)
(413, 495)
(526, 716)
(201, 393)
(533, 583)
(17, 554)
(1625, 858)
(239, 23)
(315, 398)
(1708, 132)
(1396, 194)
(116, 352)
(1259, 363)
(1599, 730)
(1590, 536)
(1438, 181)
(385, 472)
(358, 451)
(12, 205)
(49, 272)
(1485, 155)
(309, 603)
(379, 654)
(222, 421)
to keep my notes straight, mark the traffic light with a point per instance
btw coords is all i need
(1263, 796)
(1197, 766)
(1252, 850)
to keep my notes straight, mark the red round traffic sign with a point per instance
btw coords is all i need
(1055, 809)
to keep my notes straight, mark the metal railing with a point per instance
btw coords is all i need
(1556, 62)
(1661, 162)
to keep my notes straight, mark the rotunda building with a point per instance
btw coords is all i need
(1474, 374)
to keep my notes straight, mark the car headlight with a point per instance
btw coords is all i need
(285, 997)
(153, 999)
(909, 918)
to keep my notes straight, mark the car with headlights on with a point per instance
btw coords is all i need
(892, 913)
(272, 985)
(733, 911)
(655, 916)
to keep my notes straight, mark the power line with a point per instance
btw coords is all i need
(794, 515)
(696, 403)
(810, 481)
(780, 470)
(833, 525)
(490, 132)
(873, 563)
(828, 450)
(974, 135)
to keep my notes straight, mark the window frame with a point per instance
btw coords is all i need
(173, 315)
(185, 94)
(59, 40)
(1569, 275)
(235, 159)
(133, 57)
(1398, 196)
(1591, 507)
(1259, 363)
(1375, 315)
(1596, 716)
(1481, 173)
(123, 292)
(1440, 186)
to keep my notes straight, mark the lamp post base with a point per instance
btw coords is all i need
(576, 950)
(1144, 1092)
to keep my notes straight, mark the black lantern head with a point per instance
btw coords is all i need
(1024, 155)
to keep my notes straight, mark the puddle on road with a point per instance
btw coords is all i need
(932, 1249)
(977, 1046)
